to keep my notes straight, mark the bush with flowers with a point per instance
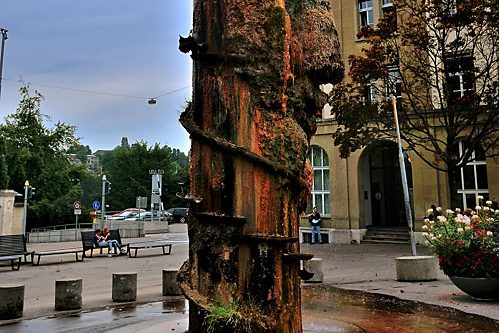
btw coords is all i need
(467, 245)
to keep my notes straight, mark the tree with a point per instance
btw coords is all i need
(257, 67)
(127, 168)
(440, 59)
(80, 152)
(4, 175)
(37, 153)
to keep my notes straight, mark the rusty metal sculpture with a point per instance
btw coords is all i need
(257, 66)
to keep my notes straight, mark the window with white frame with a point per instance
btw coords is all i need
(473, 180)
(460, 78)
(320, 196)
(366, 13)
(369, 93)
(388, 11)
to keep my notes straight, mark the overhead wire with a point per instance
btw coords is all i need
(97, 92)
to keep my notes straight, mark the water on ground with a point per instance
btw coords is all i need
(325, 310)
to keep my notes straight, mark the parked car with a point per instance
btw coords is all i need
(128, 210)
(178, 214)
(146, 216)
(123, 215)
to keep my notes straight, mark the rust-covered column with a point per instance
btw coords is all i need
(257, 69)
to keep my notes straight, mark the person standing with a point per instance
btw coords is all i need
(315, 221)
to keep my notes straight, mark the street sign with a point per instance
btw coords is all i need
(96, 205)
(77, 211)
(77, 205)
(141, 202)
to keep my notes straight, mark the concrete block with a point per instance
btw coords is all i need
(416, 268)
(11, 301)
(68, 294)
(314, 265)
(124, 287)
(170, 285)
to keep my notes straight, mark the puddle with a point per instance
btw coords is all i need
(124, 319)
(352, 311)
(325, 309)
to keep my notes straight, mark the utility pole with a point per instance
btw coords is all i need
(4, 37)
(408, 210)
(103, 208)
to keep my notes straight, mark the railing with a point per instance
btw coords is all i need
(63, 227)
(57, 233)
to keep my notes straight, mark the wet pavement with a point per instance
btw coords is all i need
(359, 294)
(326, 309)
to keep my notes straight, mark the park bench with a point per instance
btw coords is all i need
(166, 247)
(39, 254)
(13, 249)
(87, 240)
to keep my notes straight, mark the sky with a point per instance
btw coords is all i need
(97, 63)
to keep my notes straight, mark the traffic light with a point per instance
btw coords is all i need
(107, 187)
(31, 192)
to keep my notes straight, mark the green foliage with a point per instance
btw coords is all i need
(80, 152)
(466, 246)
(31, 150)
(127, 168)
(234, 317)
(4, 175)
(432, 118)
(37, 153)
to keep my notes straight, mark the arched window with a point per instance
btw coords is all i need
(473, 180)
(320, 196)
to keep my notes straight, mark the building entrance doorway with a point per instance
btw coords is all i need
(381, 184)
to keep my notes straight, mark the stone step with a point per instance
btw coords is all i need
(380, 241)
(387, 235)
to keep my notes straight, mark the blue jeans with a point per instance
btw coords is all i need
(112, 243)
(316, 229)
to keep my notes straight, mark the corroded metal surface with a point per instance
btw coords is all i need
(257, 69)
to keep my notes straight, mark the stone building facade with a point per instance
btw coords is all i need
(364, 190)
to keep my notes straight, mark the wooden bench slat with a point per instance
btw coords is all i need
(150, 245)
(39, 254)
(13, 248)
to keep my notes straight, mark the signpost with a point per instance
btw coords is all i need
(77, 211)
(157, 180)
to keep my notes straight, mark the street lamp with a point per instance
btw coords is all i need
(25, 208)
(106, 187)
(4, 37)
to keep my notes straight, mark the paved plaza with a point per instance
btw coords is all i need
(364, 267)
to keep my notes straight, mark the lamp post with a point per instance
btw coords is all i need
(4, 37)
(103, 208)
(25, 208)
(408, 211)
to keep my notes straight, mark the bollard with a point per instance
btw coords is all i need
(170, 285)
(68, 294)
(124, 287)
(416, 268)
(314, 265)
(11, 301)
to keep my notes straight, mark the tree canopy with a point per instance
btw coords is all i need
(37, 153)
(439, 58)
(34, 149)
(127, 168)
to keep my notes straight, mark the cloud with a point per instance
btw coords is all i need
(123, 47)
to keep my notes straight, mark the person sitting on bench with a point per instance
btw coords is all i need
(101, 239)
